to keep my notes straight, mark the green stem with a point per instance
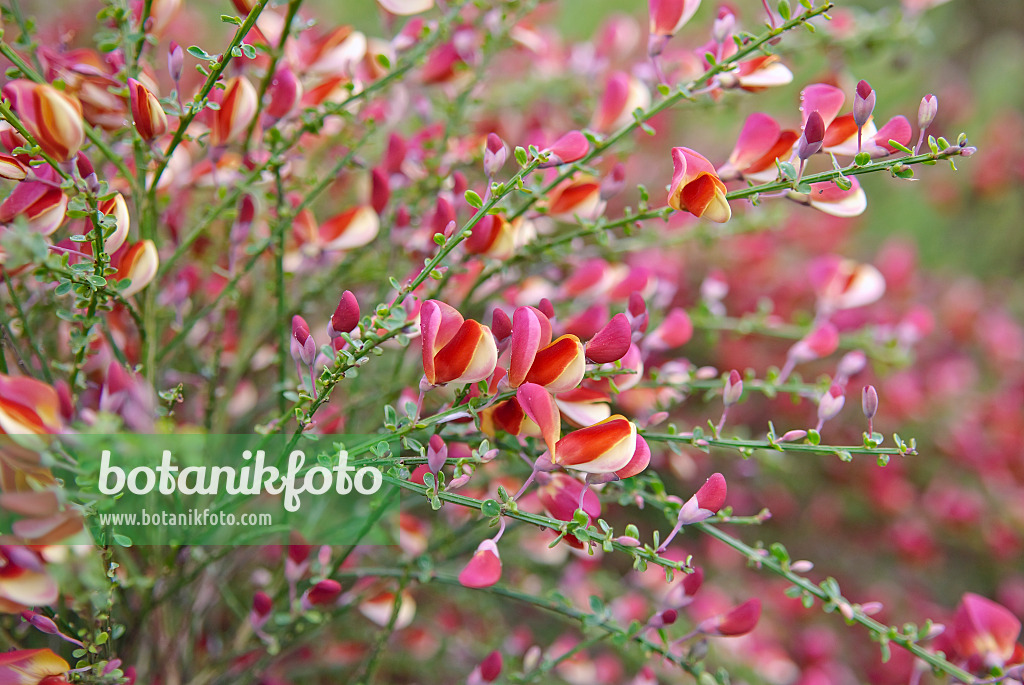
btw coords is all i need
(881, 630)
(198, 101)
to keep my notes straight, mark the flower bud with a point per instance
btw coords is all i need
(303, 347)
(437, 454)
(237, 109)
(723, 25)
(793, 435)
(851, 364)
(324, 593)
(147, 114)
(495, 154)
(863, 103)
(927, 111)
(283, 93)
(41, 623)
(490, 667)
(733, 389)
(813, 136)
(345, 317)
(831, 403)
(380, 190)
(869, 401)
(175, 61)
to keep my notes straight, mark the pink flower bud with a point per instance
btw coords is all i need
(262, 604)
(793, 435)
(495, 154)
(380, 190)
(345, 317)
(711, 495)
(501, 325)
(863, 103)
(674, 331)
(41, 623)
(175, 61)
(324, 593)
(927, 111)
(723, 25)
(869, 401)
(851, 364)
(490, 667)
(283, 93)
(831, 403)
(614, 182)
(733, 389)
(813, 136)
(303, 347)
(437, 454)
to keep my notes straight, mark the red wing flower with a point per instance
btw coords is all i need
(696, 187)
(53, 117)
(455, 350)
(605, 447)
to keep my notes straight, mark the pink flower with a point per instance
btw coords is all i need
(706, 502)
(984, 634)
(611, 342)
(484, 569)
(569, 148)
(668, 16)
(761, 142)
(738, 621)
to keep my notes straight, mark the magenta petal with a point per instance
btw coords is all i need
(711, 495)
(540, 406)
(484, 569)
(611, 342)
(827, 100)
(569, 148)
(526, 341)
(898, 129)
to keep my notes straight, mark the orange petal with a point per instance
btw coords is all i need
(605, 447)
(559, 366)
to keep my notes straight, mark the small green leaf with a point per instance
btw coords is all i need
(490, 508)
(862, 158)
(199, 53)
(521, 157)
(228, 19)
(474, 200)
(784, 10)
(900, 146)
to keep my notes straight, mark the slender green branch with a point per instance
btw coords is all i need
(198, 101)
(891, 634)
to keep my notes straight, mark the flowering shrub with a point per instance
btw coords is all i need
(640, 369)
